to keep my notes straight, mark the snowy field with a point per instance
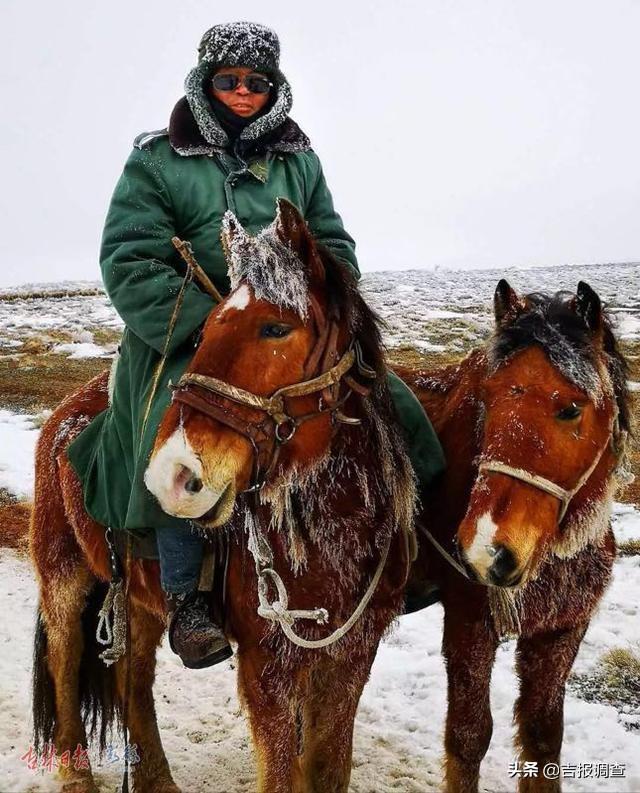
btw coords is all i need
(398, 739)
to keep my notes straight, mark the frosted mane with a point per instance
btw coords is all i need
(270, 267)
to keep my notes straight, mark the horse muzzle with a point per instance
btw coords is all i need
(490, 552)
(498, 566)
(175, 477)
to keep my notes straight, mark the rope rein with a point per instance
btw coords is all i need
(278, 610)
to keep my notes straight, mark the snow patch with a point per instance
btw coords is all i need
(18, 437)
(626, 522)
(82, 350)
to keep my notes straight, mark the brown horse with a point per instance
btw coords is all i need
(267, 433)
(533, 427)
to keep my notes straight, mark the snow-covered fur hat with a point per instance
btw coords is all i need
(237, 44)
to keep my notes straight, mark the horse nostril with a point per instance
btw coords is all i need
(504, 564)
(193, 484)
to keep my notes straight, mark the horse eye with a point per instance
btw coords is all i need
(275, 331)
(569, 413)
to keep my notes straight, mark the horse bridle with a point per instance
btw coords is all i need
(563, 495)
(211, 396)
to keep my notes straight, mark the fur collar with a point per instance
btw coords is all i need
(187, 138)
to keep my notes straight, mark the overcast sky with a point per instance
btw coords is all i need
(459, 133)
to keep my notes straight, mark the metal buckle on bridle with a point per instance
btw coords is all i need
(282, 439)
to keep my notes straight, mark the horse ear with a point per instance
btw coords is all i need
(588, 306)
(292, 229)
(506, 303)
(230, 230)
(289, 223)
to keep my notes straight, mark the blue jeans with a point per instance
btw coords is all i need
(181, 552)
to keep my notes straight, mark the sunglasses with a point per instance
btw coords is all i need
(252, 82)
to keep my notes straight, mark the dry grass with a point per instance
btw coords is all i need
(106, 337)
(615, 680)
(409, 356)
(629, 548)
(14, 521)
(631, 493)
(41, 380)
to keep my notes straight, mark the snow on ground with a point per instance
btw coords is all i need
(80, 350)
(18, 437)
(416, 304)
(24, 316)
(73, 313)
(625, 522)
(398, 739)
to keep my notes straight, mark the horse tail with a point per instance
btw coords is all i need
(43, 696)
(99, 706)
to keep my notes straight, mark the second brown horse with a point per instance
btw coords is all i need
(534, 427)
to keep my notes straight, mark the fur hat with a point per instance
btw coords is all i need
(237, 44)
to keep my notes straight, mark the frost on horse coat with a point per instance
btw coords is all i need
(340, 492)
(547, 395)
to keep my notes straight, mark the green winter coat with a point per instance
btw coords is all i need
(174, 184)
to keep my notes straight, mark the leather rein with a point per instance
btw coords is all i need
(221, 401)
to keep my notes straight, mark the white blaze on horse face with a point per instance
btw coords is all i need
(172, 466)
(239, 299)
(481, 552)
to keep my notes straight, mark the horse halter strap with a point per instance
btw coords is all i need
(277, 426)
(563, 495)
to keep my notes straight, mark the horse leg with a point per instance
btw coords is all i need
(543, 664)
(57, 663)
(469, 646)
(270, 694)
(151, 774)
(328, 719)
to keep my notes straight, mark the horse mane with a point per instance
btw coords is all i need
(551, 322)
(364, 322)
(388, 485)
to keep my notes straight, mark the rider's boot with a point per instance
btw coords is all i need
(192, 634)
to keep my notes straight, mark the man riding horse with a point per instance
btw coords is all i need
(230, 145)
